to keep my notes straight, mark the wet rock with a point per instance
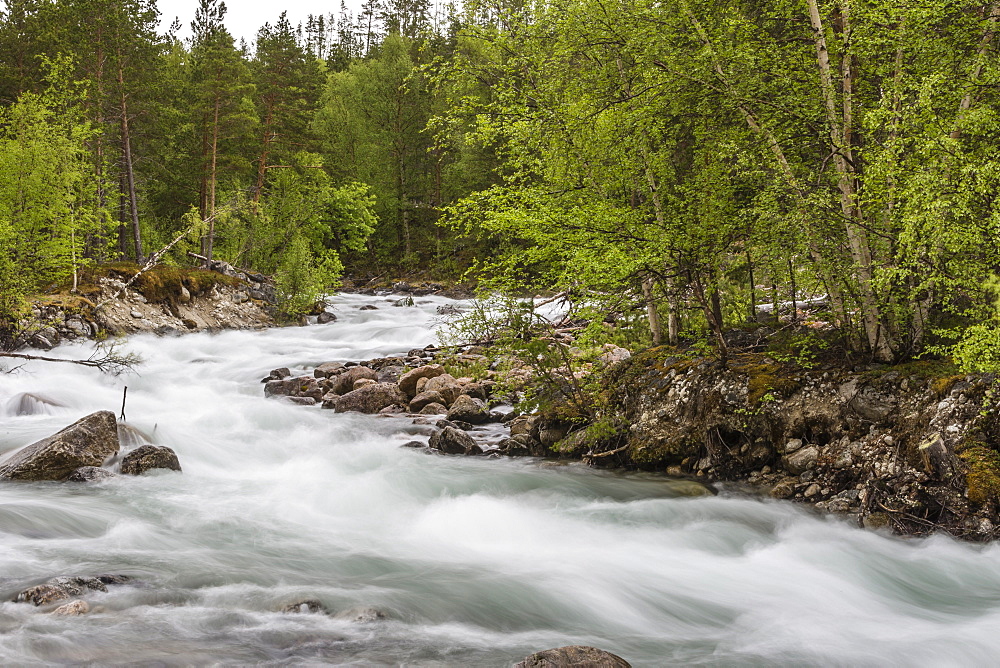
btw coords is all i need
(149, 457)
(344, 382)
(281, 374)
(454, 441)
(467, 409)
(801, 460)
(370, 399)
(368, 307)
(785, 489)
(308, 606)
(59, 589)
(327, 369)
(425, 398)
(325, 318)
(361, 615)
(302, 401)
(414, 444)
(408, 381)
(90, 474)
(573, 656)
(72, 609)
(87, 442)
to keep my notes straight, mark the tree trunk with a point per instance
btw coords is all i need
(655, 328)
(129, 171)
(841, 147)
(212, 180)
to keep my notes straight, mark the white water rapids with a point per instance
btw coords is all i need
(477, 562)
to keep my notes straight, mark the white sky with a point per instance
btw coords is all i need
(245, 17)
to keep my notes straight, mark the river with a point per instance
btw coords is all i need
(476, 562)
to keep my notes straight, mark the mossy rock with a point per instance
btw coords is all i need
(982, 478)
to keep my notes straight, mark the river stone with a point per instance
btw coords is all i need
(72, 609)
(344, 383)
(148, 457)
(302, 401)
(434, 409)
(785, 488)
(362, 382)
(793, 445)
(370, 399)
(281, 374)
(325, 318)
(327, 369)
(90, 474)
(307, 606)
(59, 589)
(425, 398)
(454, 442)
(446, 384)
(801, 460)
(361, 615)
(408, 381)
(574, 656)
(467, 409)
(87, 442)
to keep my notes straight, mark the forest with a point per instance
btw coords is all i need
(674, 164)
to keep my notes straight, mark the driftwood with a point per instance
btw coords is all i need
(106, 358)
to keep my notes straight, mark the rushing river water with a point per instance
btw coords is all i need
(477, 562)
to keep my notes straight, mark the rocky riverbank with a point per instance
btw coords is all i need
(904, 448)
(164, 300)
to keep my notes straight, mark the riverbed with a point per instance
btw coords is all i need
(474, 561)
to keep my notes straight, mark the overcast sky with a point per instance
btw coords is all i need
(245, 16)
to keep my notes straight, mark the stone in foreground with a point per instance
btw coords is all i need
(149, 457)
(574, 656)
(370, 399)
(87, 442)
(453, 441)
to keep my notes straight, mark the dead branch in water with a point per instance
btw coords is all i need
(106, 358)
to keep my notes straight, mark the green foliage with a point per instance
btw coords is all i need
(299, 281)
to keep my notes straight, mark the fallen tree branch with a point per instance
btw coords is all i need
(105, 357)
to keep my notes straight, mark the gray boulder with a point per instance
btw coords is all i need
(467, 409)
(574, 656)
(370, 398)
(59, 589)
(454, 441)
(434, 409)
(307, 606)
(801, 460)
(148, 457)
(362, 615)
(326, 317)
(89, 441)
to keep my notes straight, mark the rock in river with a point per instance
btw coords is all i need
(149, 457)
(370, 398)
(454, 442)
(574, 656)
(87, 442)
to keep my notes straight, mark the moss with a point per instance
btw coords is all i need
(161, 284)
(983, 475)
(765, 378)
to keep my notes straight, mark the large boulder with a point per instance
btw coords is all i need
(454, 441)
(344, 383)
(87, 442)
(303, 386)
(467, 409)
(408, 381)
(148, 457)
(370, 398)
(446, 384)
(574, 656)
(327, 369)
(424, 399)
